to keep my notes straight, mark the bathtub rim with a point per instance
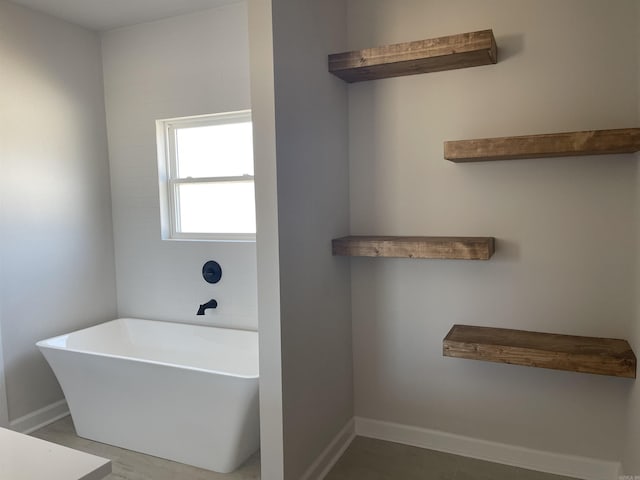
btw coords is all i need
(43, 344)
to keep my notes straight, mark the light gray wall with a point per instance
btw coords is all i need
(56, 247)
(313, 207)
(188, 65)
(267, 244)
(565, 228)
(631, 449)
(631, 458)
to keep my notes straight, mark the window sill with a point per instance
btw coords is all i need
(211, 240)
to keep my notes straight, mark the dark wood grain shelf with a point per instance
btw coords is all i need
(457, 248)
(423, 56)
(592, 142)
(601, 356)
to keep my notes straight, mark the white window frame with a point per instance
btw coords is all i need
(167, 175)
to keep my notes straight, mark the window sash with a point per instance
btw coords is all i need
(171, 135)
(174, 207)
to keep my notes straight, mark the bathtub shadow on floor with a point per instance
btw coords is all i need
(128, 465)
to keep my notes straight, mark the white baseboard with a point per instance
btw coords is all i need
(328, 458)
(40, 418)
(567, 465)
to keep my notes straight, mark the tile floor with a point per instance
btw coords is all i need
(128, 465)
(365, 459)
(368, 459)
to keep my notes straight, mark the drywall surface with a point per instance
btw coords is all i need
(264, 140)
(631, 458)
(631, 451)
(565, 228)
(313, 208)
(56, 243)
(189, 65)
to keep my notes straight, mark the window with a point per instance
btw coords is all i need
(206, 177)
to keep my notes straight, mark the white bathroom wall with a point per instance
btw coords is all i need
(187, 65)
(565, 228)
(56, 247)
(267, 243)
(313, 207)
(631, 453)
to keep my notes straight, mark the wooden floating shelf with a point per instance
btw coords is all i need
(601, 356)
(592, 142)
(422, 56)
(457, 248)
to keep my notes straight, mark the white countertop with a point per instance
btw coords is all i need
(27, 458)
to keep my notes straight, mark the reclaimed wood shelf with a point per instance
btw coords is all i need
(423, 56)
(592, 142)
(601, 356)
(457, 248)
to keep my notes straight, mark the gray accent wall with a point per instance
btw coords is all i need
(267, 245)
(565, 228)
(631, 453)
(56, 244)
(311, 131)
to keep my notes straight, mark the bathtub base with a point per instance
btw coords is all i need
(198, 418)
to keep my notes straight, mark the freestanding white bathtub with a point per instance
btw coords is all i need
(181, 392)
